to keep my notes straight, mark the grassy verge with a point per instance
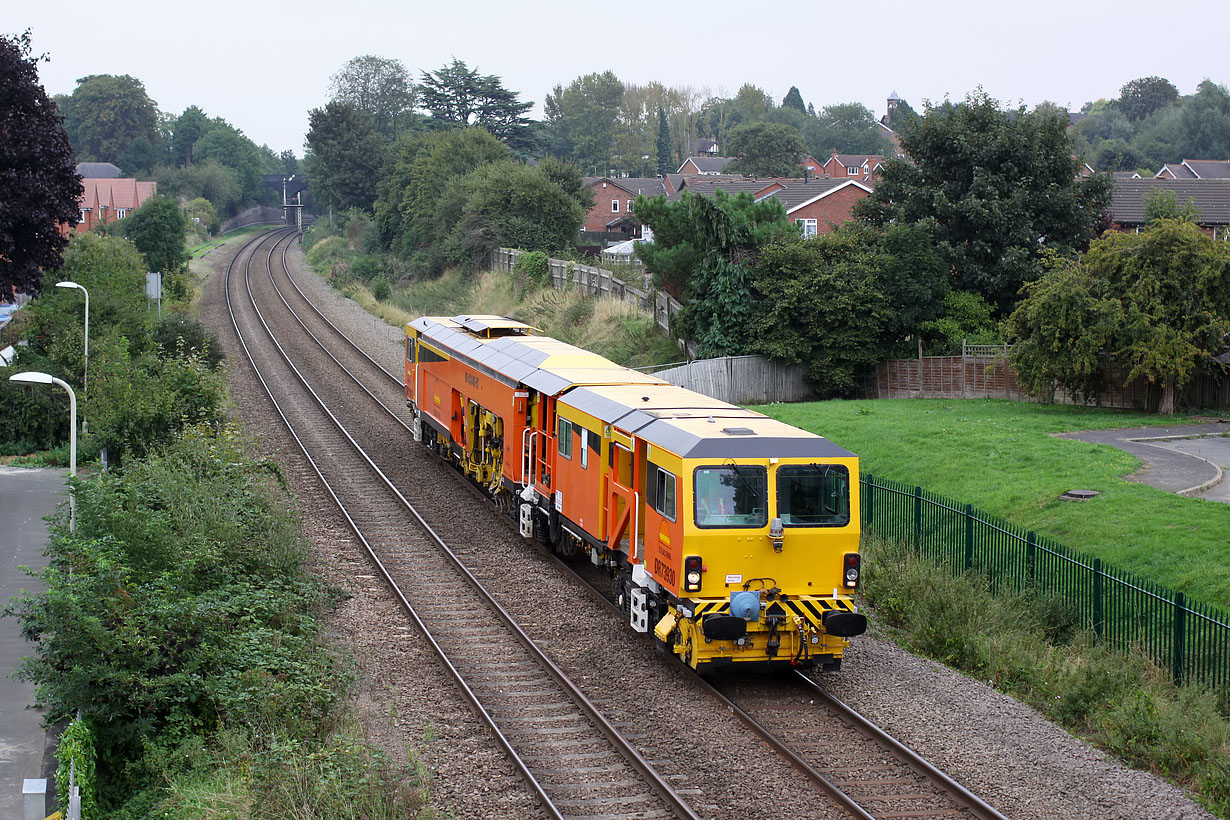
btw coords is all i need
(1032, 649)
(1000, 456)
(620, 331)
(197, 251)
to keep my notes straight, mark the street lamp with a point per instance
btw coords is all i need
(85, 377)
(35, 377)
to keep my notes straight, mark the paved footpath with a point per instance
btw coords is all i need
(26, 496)
(1176, 459)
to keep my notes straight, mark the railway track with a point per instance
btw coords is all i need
(568, 752)
(863, 771)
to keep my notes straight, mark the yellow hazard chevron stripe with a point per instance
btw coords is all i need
(809, 609)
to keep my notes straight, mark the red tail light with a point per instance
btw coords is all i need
(850, 570)
(692, 569)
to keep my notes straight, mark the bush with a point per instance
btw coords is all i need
(178, 605)
(182, 336)
(534, 266)
(366, 268)
(382, 289)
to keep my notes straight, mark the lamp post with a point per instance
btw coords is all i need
(85, 376)
(35, 377)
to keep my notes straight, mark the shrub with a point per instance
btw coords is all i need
(179, 604)
(534, 266)
(382, 289)
(366, 268)
(179, 335)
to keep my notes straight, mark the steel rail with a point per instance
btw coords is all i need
(658, 784)
(397, 380)
(920, 765)
(962, 797)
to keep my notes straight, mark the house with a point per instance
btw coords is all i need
(704, 165)
(812, 166)
(613, 198)
(731, 184)
(858, 167)
(819, 205)
(98, 170)
(1195, 169)
(1210, 196)
(816, 205)
(105, 200)
(703, 147)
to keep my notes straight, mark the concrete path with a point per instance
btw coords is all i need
(26, 497)
(1189, 458)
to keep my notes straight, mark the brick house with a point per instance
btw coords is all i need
(1210, 196)
(818, 206)
(731, 184)
(815, 205)
(103, 201)
(704, 165)
(613, 199)
(858, 167)
(1195, 169)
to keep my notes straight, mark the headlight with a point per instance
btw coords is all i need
(852, 574)
(693, 579)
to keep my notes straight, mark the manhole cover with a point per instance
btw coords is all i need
(1079, 495)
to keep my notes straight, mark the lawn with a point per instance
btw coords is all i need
(1000, 457)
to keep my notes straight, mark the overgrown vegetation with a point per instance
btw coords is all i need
(147, 378)
(1001, 457)
(1033, 649)
(178, 618)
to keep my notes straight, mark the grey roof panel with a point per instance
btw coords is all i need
(545, 382)
(688, 445)
(1210, 196)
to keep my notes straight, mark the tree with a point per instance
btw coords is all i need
(425, 164)
(106, 113)
(289, 162)
(999, 189)
(157, 228)
(665, 163)
(1158, 302)
(767, 149)
(457, 96)
(582, 119)
(506, 203)
(1163, 204)
(1140, 98)
(186, 129)
(794, 99)
(847, 128)
(704, 250)
(347, 156)
(228, 146)
(1205, 122)
(829, 282)
(39, 185)
(379, 86)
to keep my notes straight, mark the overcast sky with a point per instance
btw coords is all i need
(262, 66)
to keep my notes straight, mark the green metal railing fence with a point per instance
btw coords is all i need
(1190, 639)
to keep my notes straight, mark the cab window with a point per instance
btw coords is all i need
(564, 437)
(813, 495)
(731, 496)
(662, 491)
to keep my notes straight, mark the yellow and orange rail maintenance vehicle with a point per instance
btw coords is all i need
(732, 537)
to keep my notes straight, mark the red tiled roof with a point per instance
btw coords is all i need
(115, 194)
